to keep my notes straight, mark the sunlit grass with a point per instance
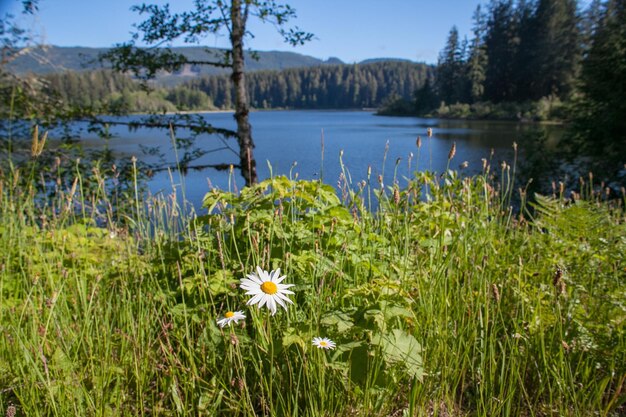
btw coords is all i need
(444, 301)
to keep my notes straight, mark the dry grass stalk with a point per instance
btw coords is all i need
(38, 144)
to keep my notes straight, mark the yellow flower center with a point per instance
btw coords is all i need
(229, 314)
(268, 287)
(323, 343)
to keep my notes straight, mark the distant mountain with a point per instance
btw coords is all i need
(54, 59)
(376, 60)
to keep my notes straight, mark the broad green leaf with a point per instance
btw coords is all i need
(401, 348)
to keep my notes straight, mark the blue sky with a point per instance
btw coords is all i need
(352, 30)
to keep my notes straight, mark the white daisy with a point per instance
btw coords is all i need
(231, 317)
(323, 343)
(266, 288)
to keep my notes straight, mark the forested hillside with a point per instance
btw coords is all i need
(329, 86)
(108, 91)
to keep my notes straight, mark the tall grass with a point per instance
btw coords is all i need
(442, 302)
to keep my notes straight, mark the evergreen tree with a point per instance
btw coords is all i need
(525, 75)
(425, 99)
(477, 62)
(599, 130)
(450, 69)
(501, 44)
(556, 46)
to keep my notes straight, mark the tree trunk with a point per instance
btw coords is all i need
(242, 108)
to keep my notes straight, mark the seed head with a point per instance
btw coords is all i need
(396, 195)
(429, 132)
(559, 282)
(496, 292)
(452, 151)
(38, 144)
(418, 142)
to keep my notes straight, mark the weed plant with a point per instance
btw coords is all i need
(442, 302)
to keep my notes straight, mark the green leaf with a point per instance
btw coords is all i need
(401, 348)
(291, 337)
(338, 318)
(346, 347)
(176, 397)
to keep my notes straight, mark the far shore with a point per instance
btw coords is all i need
(371, 110)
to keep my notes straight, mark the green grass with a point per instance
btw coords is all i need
(443, 302)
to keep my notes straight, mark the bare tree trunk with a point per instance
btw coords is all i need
(242, 108)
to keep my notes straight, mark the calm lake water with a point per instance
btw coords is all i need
(285, 138)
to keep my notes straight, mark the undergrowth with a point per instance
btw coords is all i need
(442, 302)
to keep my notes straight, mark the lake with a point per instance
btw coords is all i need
(283, 138)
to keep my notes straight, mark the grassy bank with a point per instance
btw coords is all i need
(442, 302)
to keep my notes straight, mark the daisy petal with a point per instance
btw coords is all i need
(254, 278)
(271, 305)
(283, 297)
(255, 299)
(279, 301)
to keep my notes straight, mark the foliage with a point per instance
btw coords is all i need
(440, 301)
(546, 109)
(599, 123)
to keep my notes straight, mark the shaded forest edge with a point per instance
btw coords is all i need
(538, 61)
(522, 62)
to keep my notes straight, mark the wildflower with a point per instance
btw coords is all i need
(323, 343)
(266, 288)
(231, 317)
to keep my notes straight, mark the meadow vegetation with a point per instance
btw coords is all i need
(441, 299)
